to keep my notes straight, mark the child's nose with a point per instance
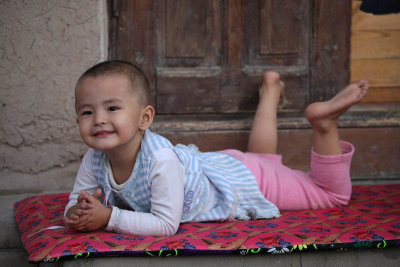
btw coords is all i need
(100, 118)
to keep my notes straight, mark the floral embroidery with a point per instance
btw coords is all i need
(298, 217)
(181, 230)
(261, 224)
(273, 241)
(223, 235)
(175, 244)
(352, 221)
(58, 213)
(30, 225)
(310, 229)
(38, 246)
(132, 238)
(379, 205)
(396, 225)
(367, 193)
(366, 236)
(26, 213)
(336, 212)
(78, 248)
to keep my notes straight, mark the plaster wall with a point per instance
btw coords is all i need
(44, 47)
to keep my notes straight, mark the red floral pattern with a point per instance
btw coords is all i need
(270, 241)
(372, 219)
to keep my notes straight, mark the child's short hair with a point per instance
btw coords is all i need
(137, 78)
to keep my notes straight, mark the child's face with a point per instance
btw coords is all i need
(109, 115)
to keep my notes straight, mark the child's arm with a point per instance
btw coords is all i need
(167, 178)
(86, 181)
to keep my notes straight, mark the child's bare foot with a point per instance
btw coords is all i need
(272, 88)
(323, 115)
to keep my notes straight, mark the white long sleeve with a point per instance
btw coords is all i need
(85, 180)
(167, 179)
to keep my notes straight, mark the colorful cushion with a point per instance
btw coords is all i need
(372, 219)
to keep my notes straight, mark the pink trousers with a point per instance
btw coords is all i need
(327, 185)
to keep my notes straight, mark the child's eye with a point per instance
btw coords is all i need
(86, 113)
(113, 108)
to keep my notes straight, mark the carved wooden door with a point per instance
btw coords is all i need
(207, 57)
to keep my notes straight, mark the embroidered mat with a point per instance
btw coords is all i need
(372, 219)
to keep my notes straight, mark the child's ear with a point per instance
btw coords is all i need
(147, 117)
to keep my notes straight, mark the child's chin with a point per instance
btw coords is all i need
(103, 147)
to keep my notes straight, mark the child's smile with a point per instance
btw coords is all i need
(103, 134)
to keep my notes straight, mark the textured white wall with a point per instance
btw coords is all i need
(44, 47)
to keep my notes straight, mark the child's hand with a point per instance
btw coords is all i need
(80, 208)
(89, 214)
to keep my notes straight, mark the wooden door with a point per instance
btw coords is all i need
(204, 60)
(207, 57)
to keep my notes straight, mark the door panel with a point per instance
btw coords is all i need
(189, 50)
(277, 32)
(185, 28)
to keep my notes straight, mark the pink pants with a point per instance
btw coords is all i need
(328, 184)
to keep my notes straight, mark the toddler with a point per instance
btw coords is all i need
(149, 186)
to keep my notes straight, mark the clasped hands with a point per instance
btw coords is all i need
(88, 214)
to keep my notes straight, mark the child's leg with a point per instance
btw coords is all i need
(264, 133)
(323, 117)
(329, 184)
(330, 161)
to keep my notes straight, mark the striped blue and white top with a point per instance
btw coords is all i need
(217, 186)
(172, 184)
